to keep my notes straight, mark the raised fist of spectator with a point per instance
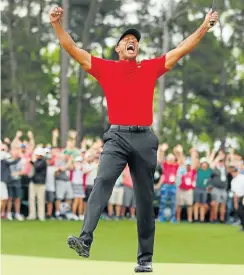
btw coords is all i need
(7, 140)
(179, 148)
(72, 134)
(55, 132)
(83, 143)
(30, 135)
(19, 134)
(164, 147)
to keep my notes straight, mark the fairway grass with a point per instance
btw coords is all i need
(21, 265)
(117, 242)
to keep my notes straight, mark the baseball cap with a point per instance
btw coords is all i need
(135, 32)
(188, 161)
(4, 155)
(202, 160)
(78, 159)
(39, 151)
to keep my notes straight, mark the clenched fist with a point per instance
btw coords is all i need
(211, 17)
(56, 14)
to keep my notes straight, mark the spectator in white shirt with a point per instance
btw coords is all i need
(50, 186)
(76, 178)
(237, 187)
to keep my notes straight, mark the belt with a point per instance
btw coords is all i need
(131, 128)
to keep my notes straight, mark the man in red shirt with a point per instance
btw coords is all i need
(129, 87)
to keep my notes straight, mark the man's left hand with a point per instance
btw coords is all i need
(211, 16)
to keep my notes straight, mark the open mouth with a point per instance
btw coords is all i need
(130, 48)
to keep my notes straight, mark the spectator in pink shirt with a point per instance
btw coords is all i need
(184, 196)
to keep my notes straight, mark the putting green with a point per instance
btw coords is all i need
(117, 242)
(21, 265)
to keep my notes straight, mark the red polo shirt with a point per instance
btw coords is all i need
(128, 87)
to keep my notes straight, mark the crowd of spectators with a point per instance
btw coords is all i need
(47, 182)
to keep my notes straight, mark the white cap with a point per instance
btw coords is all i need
(202, 160)
(4, 155)
(39, 151)
(77, 159)
(188, 161)
(47, 150)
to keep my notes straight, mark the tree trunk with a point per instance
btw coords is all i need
(161, 99)
(93, 10)
(64, 100)
(12, 58)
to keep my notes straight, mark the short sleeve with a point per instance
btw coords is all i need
(158, 64)
(98, 67)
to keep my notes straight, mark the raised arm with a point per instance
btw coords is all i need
(190, 43)
(65, 40)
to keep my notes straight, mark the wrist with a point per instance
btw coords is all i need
(206, 25)
(55, 22)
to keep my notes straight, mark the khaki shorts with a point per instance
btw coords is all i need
(117, 196)
(184, 197)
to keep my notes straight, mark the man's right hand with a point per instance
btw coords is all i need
(65, 40)
(56, 14)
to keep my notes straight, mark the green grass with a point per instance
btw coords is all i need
(117, 241)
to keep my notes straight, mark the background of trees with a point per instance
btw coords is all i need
(198, 102)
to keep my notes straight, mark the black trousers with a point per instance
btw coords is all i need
(139, 151)
(241, 210)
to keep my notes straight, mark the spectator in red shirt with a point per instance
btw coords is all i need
(185, 193)
(168, 188)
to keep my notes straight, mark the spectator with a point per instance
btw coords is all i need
(168, 189)
(70, 149)
(77, 180)
(157, 182)
(129, 200)
(37, 185)
(200, 195)
(187, 185)
(50, 186)
(91, 168)
(5, 179)
(116, 199)
(63, 185)
(14, 185)
(230, 198)
(218, 185)
(237, 187)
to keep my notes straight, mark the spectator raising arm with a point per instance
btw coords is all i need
(16, 141)
(81, 56)
(55, 135)
(31, 145)
(194, 158)
(161, 152)
(178, 151)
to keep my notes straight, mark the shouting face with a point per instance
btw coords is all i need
(128, 48)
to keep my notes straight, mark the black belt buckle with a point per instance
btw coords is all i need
(141, 129)
(133, 128)
(137, 129)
